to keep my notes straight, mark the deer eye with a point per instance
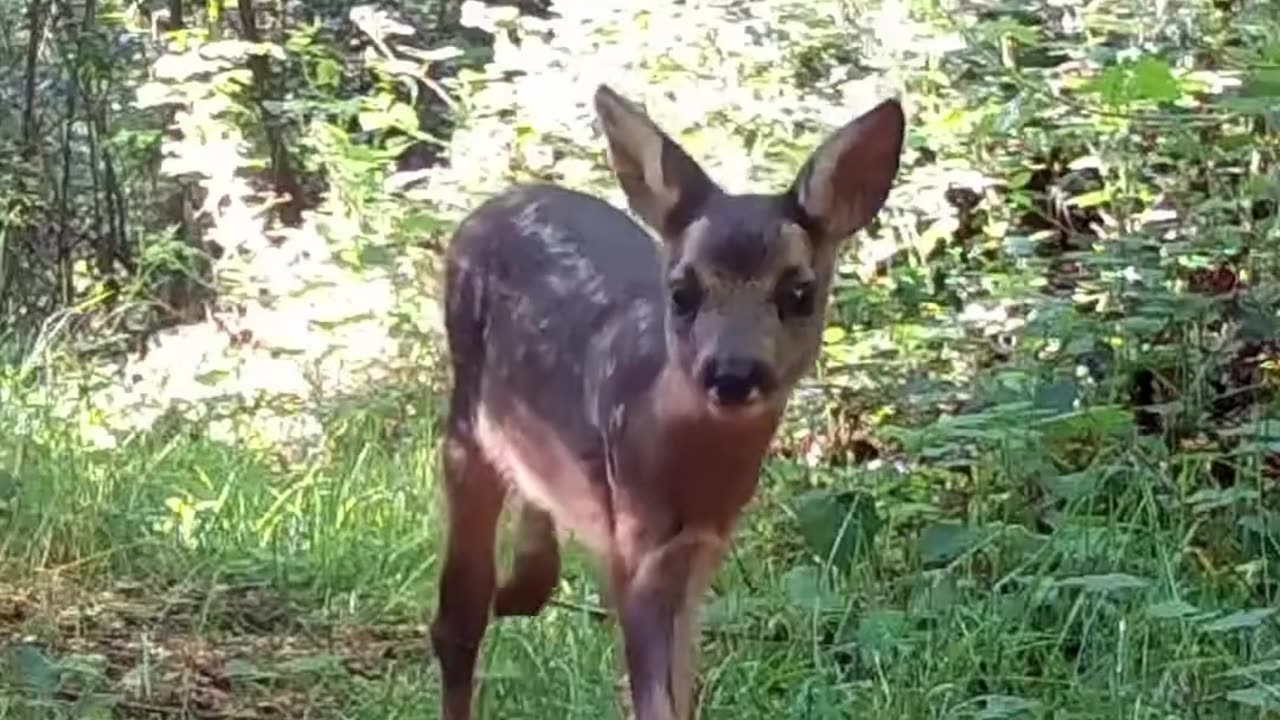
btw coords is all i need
(686, 294)
(795, 298)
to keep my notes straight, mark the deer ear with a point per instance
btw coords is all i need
(846, 180)
(664, 186)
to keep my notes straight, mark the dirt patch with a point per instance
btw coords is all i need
(219, 652)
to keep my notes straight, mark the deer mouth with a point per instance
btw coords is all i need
(735, 398)
(736, 386)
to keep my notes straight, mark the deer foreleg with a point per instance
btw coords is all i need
(658, 605)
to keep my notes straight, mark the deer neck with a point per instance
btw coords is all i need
(672, 452)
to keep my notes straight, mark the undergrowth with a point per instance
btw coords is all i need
(1033, 477)
(175, 570)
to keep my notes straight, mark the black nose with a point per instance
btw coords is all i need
(731, 380)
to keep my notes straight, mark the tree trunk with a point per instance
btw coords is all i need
(21, 233)
(284, 180)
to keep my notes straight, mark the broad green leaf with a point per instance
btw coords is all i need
(1257, 696)
(86, 665)
(995, 707)
(1254, 670)
(328, 73)
(1089, 199)
(1090, 422)
(1105, 582)
(34, 670)
(213, 377)
(932, 593)
(1154, 80)
(1071, 486)
(373, 120)
(836, 525)
(418, 224)
(1058, 396)
(804, 588)
(881, 631)
(320, 664)
(1171, 609)
(1149, 78)
(943, 542)
(1262, 83)
(95, 706)
(240, 669)
(371, 255)
(1242, 620)
(1207, 499)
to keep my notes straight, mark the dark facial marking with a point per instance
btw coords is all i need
(737, 234)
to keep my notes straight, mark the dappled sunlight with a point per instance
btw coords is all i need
(293, 327)
(1033, 472)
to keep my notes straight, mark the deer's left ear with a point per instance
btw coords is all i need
(846, 181)
(662, 183)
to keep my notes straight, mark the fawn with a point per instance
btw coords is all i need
(627, 390)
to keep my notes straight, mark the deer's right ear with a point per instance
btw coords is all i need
(847, 179)
(664, 186)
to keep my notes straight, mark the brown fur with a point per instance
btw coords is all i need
(626, 392)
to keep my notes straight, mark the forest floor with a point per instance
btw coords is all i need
(187, 580)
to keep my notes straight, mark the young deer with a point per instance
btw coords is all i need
(627, 390)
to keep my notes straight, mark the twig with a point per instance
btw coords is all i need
(137, 706)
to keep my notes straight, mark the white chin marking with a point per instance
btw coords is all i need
(753, 406)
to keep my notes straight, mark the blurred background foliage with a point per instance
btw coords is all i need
(1031, 476)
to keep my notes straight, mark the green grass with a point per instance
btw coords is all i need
(307, 589)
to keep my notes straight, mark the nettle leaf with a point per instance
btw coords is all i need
(1258, 323)
(833, 334)
(317, 665)
(1100, 421)
(1242, 620)
(1104, 583)
(994, 30)
(95, 706)
(1263, 436)
(1257, 696)
(371, 120)
(943, 542)
(1071, 486)
(1000, 706)
(1262, 83)
(423, 223)
(1254, 670)
(1207, 499)
(1057, 396)
(1171, 610)
(932, 593)
(371, 255)
(1148, 78)
(239, 669)
(1260, 526)
(836, 526)
(32, 669)
(85, 665)
(882, 631)
(1153, 80)
(733, 607)
(804, 588)
(1093, 198)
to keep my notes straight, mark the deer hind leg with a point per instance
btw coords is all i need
(536, 567)
(658, 605)
(474, 494)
